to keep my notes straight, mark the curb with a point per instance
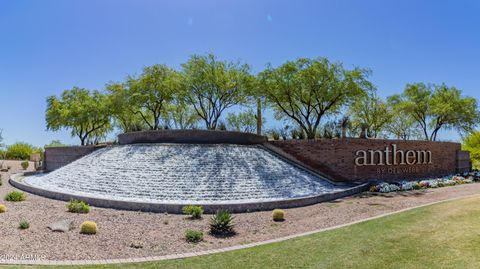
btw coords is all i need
(222, 250)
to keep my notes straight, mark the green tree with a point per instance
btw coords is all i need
(245, 121)
(54, 144)
(436, 107)
(123, 111)
(472, 143)
(82, 111)
(21, 151)
(150, 93)
(181, 116)
(306, 90)
(402, 125)
(211, 86)
(371, 111)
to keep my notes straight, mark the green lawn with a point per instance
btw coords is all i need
(445, 235)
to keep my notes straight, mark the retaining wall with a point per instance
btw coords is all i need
(190, 137)
(57, 157)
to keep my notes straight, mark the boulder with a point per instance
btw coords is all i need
(61, 226)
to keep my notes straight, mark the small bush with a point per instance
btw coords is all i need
(278, 215)
(3, 209)
(194, 211)
(20, 151)
(25, 165)
(193, 236)
(24, 225)
(222, 224)
(15, 196)
(88, 227)
(275, 134)
(76, 206)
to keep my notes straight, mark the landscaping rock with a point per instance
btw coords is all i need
(61, 226)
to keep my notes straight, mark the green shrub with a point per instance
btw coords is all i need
(222, 224)
(194, 211)
(15, 196)
(55, 144)
(193, 236)
(275, 134)
(19, 151)
(24, 225)
(278, 215)
(88, 227)
(25, 165)
(3, 209)
(76, 206)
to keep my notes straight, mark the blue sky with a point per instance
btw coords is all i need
(48, 46)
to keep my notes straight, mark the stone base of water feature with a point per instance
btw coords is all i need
(176, 208)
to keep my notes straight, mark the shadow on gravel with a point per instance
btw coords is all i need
(417, 193)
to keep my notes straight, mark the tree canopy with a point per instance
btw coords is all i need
(319, 97)
(437, 106)
(150, 93)
(306, 90)
(471, 143)
(85, 113)
(122, 110)
(245, 121)
(372, 112)
(212, 86)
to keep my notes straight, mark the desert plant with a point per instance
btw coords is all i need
(15, 196)
(222, 126)
(278, 215)
(3, 209)
(21, 151)
(76, 206)
(301, 134)
(194, 211)
(24, 225)
(88, 227)
(193, 236)
(275, 134)
(25, 165)
(222, 224)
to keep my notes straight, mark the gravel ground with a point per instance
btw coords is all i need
(128, 234)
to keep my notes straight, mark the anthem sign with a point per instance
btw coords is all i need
(355, 159)
(391, 155)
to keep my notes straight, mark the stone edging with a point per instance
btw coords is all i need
(214, 251)
(15, 180)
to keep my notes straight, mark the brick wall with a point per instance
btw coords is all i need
(190, 137)
(336, 158)
(57, 157)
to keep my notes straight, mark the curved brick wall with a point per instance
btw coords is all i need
(336, 158)
(190, 137)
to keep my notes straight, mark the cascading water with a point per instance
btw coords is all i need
(184, 173)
